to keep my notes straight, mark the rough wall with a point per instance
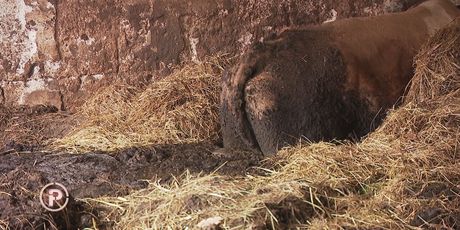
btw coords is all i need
(60, 51)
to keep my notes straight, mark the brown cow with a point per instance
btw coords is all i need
(332, 81)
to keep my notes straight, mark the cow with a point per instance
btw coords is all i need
(325, 82)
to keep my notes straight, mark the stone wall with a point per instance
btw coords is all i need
(60, 51)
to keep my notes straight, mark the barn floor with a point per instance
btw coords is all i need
(25, 167)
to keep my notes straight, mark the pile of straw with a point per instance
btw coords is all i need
(405, 174)
(27, 128)
(180, 108)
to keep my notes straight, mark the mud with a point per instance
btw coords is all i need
(96, 174)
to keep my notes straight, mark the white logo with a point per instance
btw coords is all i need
(54, 197)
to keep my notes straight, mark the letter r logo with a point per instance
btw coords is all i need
(54, 195)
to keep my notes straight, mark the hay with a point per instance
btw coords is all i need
(25, 128)
(403, 175)
(180, 108)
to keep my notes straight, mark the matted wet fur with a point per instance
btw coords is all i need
(326, 82)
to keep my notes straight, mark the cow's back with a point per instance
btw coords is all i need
(379, 51)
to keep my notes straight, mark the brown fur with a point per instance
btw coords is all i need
(325, 82)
